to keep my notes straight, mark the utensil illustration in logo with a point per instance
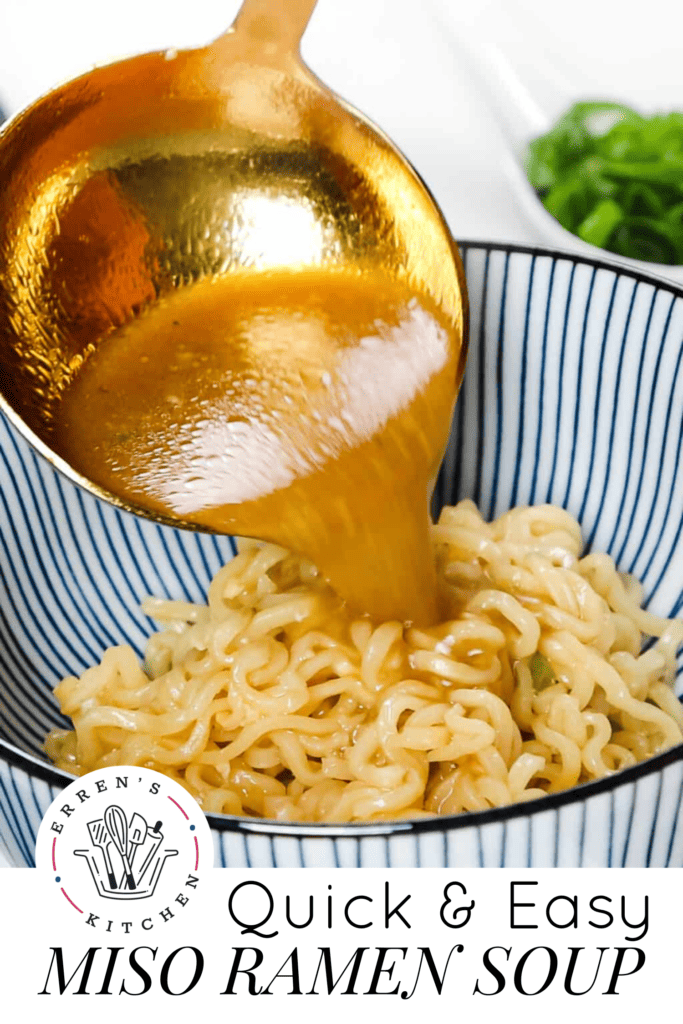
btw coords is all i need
(142, 837)
(99, 836)
(137, 833)
(116, 823)
(115, 844)
(156, 836)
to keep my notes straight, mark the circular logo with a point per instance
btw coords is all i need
(127, 848)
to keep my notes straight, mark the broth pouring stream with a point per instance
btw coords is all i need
(310, 408)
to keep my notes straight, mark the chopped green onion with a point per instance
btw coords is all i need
(597, 227)
(614, 178)
(542, 674)
(642, 200)
(675, 215)
(653, 240)
(660, 172)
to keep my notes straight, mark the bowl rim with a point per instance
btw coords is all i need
(578, 794)
(402, 826)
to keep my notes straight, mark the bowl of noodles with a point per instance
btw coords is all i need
(539, 725)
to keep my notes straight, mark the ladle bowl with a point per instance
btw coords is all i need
(153, 173)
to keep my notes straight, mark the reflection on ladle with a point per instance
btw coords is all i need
(228, 302)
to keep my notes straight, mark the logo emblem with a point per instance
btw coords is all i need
(115, 842)
(126, 848)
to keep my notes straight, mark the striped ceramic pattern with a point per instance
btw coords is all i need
(573, 395)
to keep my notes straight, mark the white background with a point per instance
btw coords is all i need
(401, 62)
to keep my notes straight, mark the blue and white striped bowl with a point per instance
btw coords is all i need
(573, 395)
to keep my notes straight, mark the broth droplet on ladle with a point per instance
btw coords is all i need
(234, 305)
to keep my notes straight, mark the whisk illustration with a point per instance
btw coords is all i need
(117, 843)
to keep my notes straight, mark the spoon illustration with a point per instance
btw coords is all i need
(526, 98)
(115, 820)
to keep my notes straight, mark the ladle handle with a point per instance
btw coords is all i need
(281, 23)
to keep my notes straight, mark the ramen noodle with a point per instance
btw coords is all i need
(273, 700)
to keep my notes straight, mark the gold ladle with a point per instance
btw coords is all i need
(154, 173)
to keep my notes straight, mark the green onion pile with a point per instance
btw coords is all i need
(615, 179)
